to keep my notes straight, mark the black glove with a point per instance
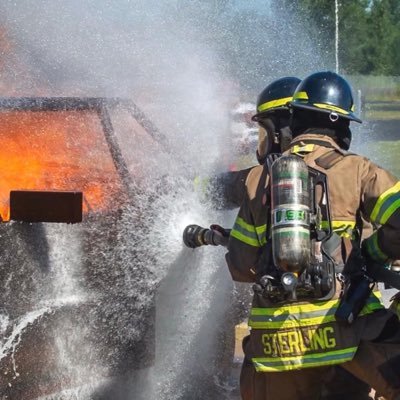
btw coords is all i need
(356, 289)
(218, 235)
(224, 232)
(380, 273)
(372, 266)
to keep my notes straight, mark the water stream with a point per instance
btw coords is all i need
(337, 36)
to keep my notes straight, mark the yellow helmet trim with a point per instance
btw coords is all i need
(300, 96)
(273, 104)
(331, 108)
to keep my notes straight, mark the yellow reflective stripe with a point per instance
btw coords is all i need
(300, 96)
(391, 209)
(306, 148)
(370, 307)
(262, 233)
(340, 227)
(374, 250)
(246, 232)
(292, 322)
(305, 314)
(304, 361)
(245, 239)
(331, 107)
(385, 204)
(296, 308)
(273, 104)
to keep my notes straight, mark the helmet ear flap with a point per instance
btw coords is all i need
(344, 140)
(272, 137)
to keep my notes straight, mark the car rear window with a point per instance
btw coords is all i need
(57, 150)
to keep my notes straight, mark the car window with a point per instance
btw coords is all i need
(57, 150)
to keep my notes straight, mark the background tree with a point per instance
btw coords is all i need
(369, 32)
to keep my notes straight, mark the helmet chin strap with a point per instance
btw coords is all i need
(272, 139)
(285, 137)
(344, 140)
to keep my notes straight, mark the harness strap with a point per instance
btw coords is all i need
(328, 160)
(267, 169)
(270, 159)
(331, 158)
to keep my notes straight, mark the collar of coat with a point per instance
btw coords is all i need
(320, 140)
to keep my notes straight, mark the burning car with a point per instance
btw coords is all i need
(76, 305)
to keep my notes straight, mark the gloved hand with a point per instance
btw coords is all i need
(356, 264)
(224, 232)
(219, 236)
(380, 270)
(372, 265)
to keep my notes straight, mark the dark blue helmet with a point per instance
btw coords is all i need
(276, 96)
(325, 92)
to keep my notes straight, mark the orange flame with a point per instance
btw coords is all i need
(63, 150)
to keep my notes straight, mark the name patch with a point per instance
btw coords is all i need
(298, 342)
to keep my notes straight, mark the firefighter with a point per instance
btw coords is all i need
(295, 341)
(274, 135)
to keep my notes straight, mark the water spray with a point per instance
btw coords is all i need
(337, 35)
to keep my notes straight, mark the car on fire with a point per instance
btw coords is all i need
(74, 304)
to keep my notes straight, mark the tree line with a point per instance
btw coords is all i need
(258, 40)
(369, 32)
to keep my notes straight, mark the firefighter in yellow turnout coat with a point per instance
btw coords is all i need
(294, 344)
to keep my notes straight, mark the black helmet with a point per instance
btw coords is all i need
(276, 96)
(325, 92)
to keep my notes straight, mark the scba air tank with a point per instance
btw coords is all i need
(290, 222)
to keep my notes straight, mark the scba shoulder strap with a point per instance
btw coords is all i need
(331, 158)
(270, 160)
(261, 188)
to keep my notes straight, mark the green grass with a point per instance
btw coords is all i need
(377, 88)
(381, 110)
(379, 115)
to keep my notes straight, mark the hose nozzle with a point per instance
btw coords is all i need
(196, 236)
(193, 236)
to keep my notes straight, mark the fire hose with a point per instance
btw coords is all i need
(197, 236)
(356, 294)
